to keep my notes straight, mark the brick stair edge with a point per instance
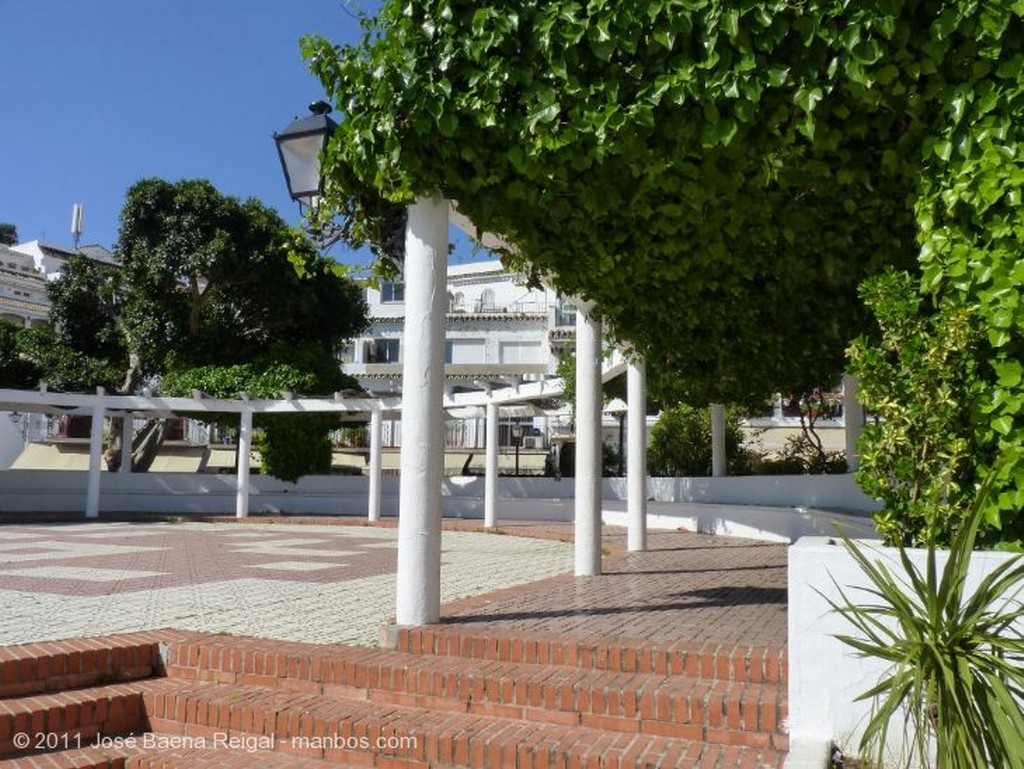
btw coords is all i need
(732, 662)
(724, 712)
(49, 666)
(199, 712)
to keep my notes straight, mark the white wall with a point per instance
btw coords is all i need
(825, 676)
(11, 442)
(519, 499)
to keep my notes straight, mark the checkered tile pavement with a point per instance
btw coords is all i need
(290, 582)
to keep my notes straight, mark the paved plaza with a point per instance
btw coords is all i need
(335, 583)
(299, 583)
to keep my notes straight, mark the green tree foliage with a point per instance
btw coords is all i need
(680, 444)
(16, 371)
(225, 299)
(213, 294)
(8, 234)
(81, 348)
(718, 179)
(211, 279)
(924, 378)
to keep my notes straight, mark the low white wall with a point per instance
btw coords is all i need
(832, 492)
(744, 507)
(825, 676)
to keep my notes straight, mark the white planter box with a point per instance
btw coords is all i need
(825, 676)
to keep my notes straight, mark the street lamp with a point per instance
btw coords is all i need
(300, 147)
(517, 438)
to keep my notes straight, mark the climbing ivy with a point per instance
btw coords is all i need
(717, 177)
(702, 171)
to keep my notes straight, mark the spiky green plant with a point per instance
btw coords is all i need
(956, 661)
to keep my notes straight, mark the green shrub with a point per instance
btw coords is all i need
(681, 444)
(923, 378)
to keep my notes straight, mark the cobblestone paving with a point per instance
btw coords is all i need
(301, 583)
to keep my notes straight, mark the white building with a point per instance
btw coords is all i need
(500, 332)
(22, 289)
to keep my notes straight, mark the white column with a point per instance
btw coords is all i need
(491, 468)
(853, 420)
(418, 600)
(92, 492)
(126, 444)
(588, 445)
(718, 461)
(376, 449)
(636, 461)
(244, 448)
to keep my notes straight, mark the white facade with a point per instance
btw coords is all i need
(22, 289)
(499, 332)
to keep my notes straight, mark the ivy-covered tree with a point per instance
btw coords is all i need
(718, 177)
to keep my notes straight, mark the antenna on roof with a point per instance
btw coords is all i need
(76, 223)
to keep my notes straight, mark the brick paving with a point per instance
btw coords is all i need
(672, 658)
(322, 584)
(332, 580)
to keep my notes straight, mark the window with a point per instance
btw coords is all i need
(520, 352)
(462, 351)
(392, 292)
(486, 301)
(385, 351)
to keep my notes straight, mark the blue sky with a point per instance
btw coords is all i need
(98, 94)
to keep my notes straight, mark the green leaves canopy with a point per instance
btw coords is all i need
(717, 179)
(210, 279)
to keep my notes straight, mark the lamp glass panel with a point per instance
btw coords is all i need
(302, 159)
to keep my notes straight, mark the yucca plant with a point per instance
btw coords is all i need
(956, 673)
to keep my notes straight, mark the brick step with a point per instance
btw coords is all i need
(713, 710)
(185, 756)
(69, 719)
(57, 665)
(348, 731)
(193, 757)
(73, 758)
(731, 662)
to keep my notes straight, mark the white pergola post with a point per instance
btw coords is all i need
(418, 600)
(588, 446)
(636, 463)
(853, 420)
(92, 492)
(491, 468)
(244, 446)
(718, 461)
(127, 434)
(376, 449)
